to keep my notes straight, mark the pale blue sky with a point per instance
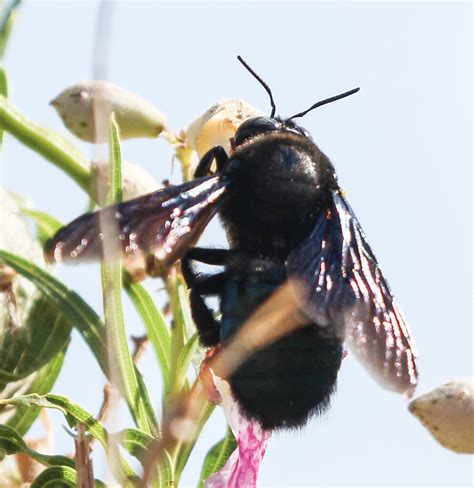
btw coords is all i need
(402, 149)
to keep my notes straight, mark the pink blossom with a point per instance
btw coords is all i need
(241, 469)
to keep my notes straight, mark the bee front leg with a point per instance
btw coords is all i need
(217, 154)
(214, 257)
(202, 285)
(207, 325)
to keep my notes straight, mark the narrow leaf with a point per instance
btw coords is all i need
(24, 416)
(186, 449)
(183, 362)
(4, 92)
(74, 414)
(119, 353)
(68, 302)
(12, 443)
(155, 326)
(47, 225)
(115, 161)
(7, 24)
(43, 334)
(85, 320)
(49, 144)
(56, 477)
(217, 456)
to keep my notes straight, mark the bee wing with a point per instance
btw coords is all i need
(162, 224)
(343, 286)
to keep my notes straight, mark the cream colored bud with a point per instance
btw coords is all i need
(135, 116)
(217, 125)
(136, 181)
(448, 413)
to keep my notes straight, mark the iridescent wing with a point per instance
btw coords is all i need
(344, 287)
(162, 225)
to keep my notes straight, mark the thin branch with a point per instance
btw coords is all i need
(85, 472)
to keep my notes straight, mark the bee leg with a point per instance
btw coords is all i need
(216, 257)
(208, 327)
(201, 285)
(217, 154)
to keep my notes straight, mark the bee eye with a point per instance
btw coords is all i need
(253, 127)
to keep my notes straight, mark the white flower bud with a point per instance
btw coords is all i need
(135, 116)
(448, 413)
(217, 125)
(136, 181)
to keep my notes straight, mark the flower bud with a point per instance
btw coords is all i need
(135, 116)
(448, 413)
(136, 181)
(217, 125)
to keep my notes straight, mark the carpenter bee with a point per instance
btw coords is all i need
(285, 215)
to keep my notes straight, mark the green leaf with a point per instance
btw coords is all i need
(44, 380)
(119, 352)
(67, 301)
(185, 450)
(135, 441)
(137, 444)
(49, 144)
(56, 477)
(115, 161)
(189, 326)
(178, 330)
(217, 456)
(26, 349)
(85, 320)
(4, 92)
(183, 362)
(7, 24)
(74, 414)
(11, 442)
(155, 326)
(47, 225)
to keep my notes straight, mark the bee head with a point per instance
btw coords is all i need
(260, 125)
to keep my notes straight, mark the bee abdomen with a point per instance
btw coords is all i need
(283, 384)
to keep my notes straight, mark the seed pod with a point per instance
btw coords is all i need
(448, 413)
(217, 125)
(136, 181)
(135, 116)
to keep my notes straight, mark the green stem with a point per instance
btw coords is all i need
(49, 144)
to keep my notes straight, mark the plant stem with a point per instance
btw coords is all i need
(49, 144)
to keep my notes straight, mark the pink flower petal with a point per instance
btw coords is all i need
(241, 469)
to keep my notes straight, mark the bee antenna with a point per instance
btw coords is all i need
(267, 88)
(324, 102)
